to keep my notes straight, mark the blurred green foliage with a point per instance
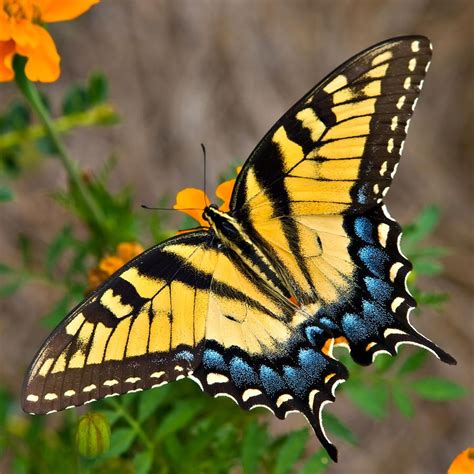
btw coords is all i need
(176, 428)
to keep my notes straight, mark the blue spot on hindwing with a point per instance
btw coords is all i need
(374, 259)
(241, 372)
(313, 334)
(271, 381)
(379, 290)
(184, 355)
(363, 194)
(213, 360)
(327, 323)
(296, 380)
(375, 315)
(355, 328)
(312, 362)
(363, 229)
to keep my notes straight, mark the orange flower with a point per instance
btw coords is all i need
(108, 265)
(22, 32)
(192, 201)
(463, 463)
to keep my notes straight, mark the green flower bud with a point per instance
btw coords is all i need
(92, 435)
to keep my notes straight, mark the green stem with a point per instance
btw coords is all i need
(31, 94)
(97, 115)
(133, 424)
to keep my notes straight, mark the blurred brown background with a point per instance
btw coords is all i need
(184, 72)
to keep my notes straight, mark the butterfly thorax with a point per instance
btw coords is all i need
(242, 249)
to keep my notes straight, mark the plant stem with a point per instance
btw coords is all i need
(31, 94)
(133, 423)
(97, 115)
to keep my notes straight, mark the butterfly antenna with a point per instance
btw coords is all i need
(205, 179)
(144, 206)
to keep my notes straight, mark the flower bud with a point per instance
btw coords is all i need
(92, 435)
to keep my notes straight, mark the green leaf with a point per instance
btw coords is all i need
(61, 242)
(427, 267)
(24, 244)
(337, 427)
(402, 401)
(253, 446)
(111, 415)
(317, 463)
(18, 116)
(46, 146)
(370, 399)
(120, 440)
(10, 288)
(6, 194)
(290, 451)
(383, 362)
(434, 388)
(4, 269)
(142, 462)
(75, 100)
(431, 299)
(98, 89)
(430, 252)
(181, 415)
(412, 363)
(5, 403)
(21, 465)
(57, 313)
(424, 225)
(149, 401)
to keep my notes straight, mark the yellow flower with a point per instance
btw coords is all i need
(108, 265)
(463, 463)
(192, 201)
(22, 32)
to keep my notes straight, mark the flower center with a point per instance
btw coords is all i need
(22, 10)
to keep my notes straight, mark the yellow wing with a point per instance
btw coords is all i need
(145, 326)
(311, 195)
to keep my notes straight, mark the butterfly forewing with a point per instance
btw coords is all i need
(336, 150)
(144, 327)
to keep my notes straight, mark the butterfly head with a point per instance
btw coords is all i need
(224, 225)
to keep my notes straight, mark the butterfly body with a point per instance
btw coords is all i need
(245, 252)
(308, 256)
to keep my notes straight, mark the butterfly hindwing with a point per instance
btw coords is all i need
(256, 354)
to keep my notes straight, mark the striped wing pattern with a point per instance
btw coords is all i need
(145, 326)
(184, 309)
(310, 198)
(314, 186)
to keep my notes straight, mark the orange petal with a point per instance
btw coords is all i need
(25, 33)
(463, 463)
(191, 201)
(224, 192)
(5, 33)
(43, 59)
(7, 51)
(110, 264)
(128, 250)
(61, 10)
